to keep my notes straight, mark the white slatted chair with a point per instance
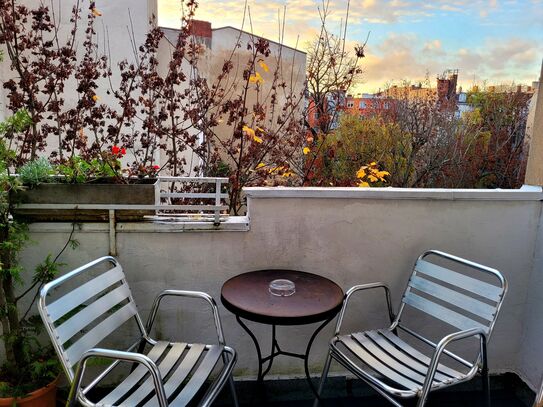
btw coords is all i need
(396, 369)
(169, 374)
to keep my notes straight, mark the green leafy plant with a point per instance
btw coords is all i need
(78, 170)
(29, 364)
(36, 172)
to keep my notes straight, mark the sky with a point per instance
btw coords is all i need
(488, 41)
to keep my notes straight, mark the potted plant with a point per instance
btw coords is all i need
(78, 181)
(29, 374)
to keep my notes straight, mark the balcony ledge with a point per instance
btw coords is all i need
(231, 224)
(526, 193)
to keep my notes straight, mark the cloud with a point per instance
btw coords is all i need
(432, 45)
(397, 58)
(501, 61)
(400, 55)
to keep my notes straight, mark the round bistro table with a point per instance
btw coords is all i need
(317, 299)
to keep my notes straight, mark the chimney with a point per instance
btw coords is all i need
(200, 28)
(519, 88)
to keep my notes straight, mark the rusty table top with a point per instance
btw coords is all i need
(316, 298)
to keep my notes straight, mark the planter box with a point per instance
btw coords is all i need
(140, 192)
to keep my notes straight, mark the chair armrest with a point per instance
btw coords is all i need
(440, 348)
(188, 294)
(363, 287)
(118, 356)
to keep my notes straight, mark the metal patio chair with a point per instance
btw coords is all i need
(170, 373)
(395, 368)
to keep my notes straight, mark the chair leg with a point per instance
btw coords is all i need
(233, 391)
(323, 378)
(484, 373)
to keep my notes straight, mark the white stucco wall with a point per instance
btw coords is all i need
(350, 235)
(531, 349)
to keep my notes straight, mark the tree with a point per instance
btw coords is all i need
(424, 145)
(42, 63)
(331, 71)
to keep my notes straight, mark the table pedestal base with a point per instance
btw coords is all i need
(276, 351)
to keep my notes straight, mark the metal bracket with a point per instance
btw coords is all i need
(112, 234)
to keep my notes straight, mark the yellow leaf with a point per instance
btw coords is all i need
(373, 164)
(256, 78)
(306, 150)
(288, 174)
(361, 173)
(96, 98)
(275, 169)
(95, 12)
(263, 65)
(257, 139)
(260, 129)
(363, 184)
(373, 178)
(260, 165)
(382, 174)
(249, 132)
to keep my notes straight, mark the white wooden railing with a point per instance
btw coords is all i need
(217, 208)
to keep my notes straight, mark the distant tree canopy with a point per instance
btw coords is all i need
(421, 145)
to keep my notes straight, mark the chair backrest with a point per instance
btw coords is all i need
(463, 300)
(83, 317)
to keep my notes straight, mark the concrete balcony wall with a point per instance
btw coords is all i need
(352, 236)
(531, 346)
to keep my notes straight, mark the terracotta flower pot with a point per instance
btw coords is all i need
(44, 397)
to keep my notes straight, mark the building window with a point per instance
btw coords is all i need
(350, 104)
(386, 105)
(362, 105)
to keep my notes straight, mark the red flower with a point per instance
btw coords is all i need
(156, 167)
(118, 151)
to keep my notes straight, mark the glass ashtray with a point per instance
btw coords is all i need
(282, 288)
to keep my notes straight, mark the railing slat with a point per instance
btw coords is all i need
(123, 207)
(192, 179)
(208, 195)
